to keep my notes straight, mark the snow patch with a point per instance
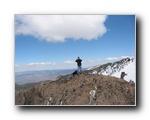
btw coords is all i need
(127, 65)
(129, 70)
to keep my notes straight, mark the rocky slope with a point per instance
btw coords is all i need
(83, 89)
(110, 68)
(127, 65)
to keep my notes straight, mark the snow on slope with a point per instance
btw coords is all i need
(129, 70)
(127, 65)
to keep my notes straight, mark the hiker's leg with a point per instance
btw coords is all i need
(80, 69)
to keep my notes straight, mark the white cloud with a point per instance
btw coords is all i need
(125, 56)
(112, 58)
(43, 63)
(56, 28)
(69, 62)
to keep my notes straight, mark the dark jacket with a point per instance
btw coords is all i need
(122, 75)
(79, 61)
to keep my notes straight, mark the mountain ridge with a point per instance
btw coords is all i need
(105, 69)
(126, 65)
(87, 88)
(112, 69)
(83, 89)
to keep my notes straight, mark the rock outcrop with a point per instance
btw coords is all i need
(83, 89)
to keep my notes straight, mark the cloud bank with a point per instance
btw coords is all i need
(57, 28)
(64, 65)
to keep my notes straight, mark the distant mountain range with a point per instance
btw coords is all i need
(113, 69)
(37, 76)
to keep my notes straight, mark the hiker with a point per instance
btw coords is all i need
(123, 74)
(79, 64)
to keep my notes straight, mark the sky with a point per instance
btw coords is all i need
(47, 42)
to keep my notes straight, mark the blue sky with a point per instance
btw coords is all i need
(55, 42)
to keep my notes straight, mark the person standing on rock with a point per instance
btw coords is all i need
(123, 74)
(79, 64)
